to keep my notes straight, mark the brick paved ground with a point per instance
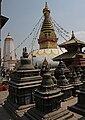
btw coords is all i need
(3, 96)
(71, 102)
(3, 113)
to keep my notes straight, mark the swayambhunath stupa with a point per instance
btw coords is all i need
(48, 42)
(47, 83)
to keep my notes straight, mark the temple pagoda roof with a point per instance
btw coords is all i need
(73, 47)
(72, 41)
(68, 55)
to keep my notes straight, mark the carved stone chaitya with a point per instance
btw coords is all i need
(45, 67)
(80, 106)
(48, 102)
(74, 79)
(57, 71)
(22, 85)
(61, 74)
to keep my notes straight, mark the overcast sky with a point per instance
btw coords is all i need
(24, 14)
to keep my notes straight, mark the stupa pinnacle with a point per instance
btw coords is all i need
(47, 38)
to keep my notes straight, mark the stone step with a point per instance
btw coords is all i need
(77, 109)
(31, 115)
(69, 116)
(59, 115)
(24, 118)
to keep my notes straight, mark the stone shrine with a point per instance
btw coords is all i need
(44, 68)
(74, 79)
(61, 74)
(57, 71)
(80, 106)
(48, 102)
(21, 87)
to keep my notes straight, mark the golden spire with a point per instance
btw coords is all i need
(47, 34)
(47, 21)
(46, 9)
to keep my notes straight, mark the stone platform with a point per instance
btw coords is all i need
(16, 114)
(4, 115)
(60, 114)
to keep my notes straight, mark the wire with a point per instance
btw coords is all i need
(60, 26)
(62, 32)
(35, 35)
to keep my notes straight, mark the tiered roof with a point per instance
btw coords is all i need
(73, 47)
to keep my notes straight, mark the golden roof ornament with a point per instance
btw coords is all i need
(46, 9)
(73, 36)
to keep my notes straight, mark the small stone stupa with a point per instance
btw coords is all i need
(21, 87)
(74, 79)
(44, 68)
(80, 106)
(48, 102)
(57, 71)
(61, 73)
